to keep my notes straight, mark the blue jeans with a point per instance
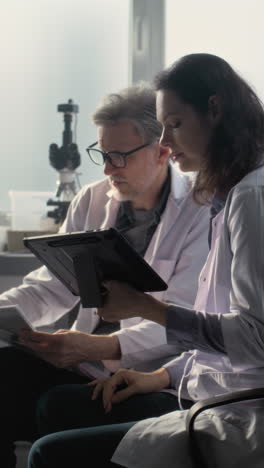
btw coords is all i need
(65, 409)
(71, 407)
(79, 448)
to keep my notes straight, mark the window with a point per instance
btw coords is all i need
(52, 51)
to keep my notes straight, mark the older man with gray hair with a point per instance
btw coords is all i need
(149, 201)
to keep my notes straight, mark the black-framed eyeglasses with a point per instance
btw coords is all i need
(115, 158)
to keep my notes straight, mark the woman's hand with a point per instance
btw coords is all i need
(131, 382)
(123, 301)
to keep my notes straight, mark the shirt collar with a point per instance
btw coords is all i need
(126, 207)
(217, 205)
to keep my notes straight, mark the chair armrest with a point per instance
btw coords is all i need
(214, 402)
(221, 400)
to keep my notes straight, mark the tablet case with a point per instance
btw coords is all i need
(83, 260)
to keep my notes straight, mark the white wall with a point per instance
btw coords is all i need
(50, 51)
(232, 29)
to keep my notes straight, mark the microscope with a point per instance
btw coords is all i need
(65, 160)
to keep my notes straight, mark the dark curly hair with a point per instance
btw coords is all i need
(237, 143)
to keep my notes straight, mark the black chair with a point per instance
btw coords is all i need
(214, 402)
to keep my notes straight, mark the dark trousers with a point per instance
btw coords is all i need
(24, 378)
(31, 387)
(71, 407)
(78, 448)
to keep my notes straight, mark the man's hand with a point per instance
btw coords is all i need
(123, 301)
(131, 382)
(66, 348)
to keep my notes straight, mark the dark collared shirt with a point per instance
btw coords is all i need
(216, 206)
(138, 226)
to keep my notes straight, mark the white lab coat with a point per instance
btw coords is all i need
(231, 284)
(228, 437)
(177, 252)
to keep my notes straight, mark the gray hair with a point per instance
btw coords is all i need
(136, 104)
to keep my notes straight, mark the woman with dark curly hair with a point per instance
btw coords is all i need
(213, 123)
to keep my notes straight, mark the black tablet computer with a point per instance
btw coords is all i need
(83, 260)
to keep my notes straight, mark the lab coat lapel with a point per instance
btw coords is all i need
(111, 210)
(168, 220)
(180, 185)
